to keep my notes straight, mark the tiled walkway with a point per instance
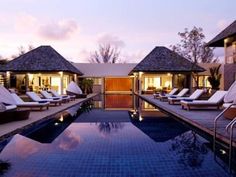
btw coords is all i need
(202, 119)
(11, 128)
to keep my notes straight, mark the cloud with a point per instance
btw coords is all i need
(46, 29)
(58, 30)
(110, 39)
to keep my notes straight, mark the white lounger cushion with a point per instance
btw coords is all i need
(226, 105)
(35, 97)
(182, 92)
(11, 107)
(47, 95)
(4, 108)
(230, 96)
(216, 98)
(74, 88)
(195, 95)
(20, 102)
(173, 91)
(60, 96)
(5, 96)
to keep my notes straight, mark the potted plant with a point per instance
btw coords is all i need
(215, 77)
(87, 86)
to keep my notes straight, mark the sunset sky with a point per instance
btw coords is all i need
(75, 27)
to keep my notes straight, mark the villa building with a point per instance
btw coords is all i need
(163, 69)
(40, 69)
(44, 68)
(227, 39)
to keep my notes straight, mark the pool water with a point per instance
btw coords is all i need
(138, 142)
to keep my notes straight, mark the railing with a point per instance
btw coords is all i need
(229, 128)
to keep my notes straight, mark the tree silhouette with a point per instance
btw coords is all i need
(189, 149)
(105, 54)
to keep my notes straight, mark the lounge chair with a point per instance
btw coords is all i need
(74, 89)
(159, 95)
(64, 97)
(10, 113)
(231, 112)
(195, 95)
(47, 95)
(22, 104)
(214, 101)
(4, 107)
(230, 98)
(35, 97)
(180, 94)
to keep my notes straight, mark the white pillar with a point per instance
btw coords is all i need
(26, 82)
(140, 83)
(134, 83)
(8, 77)
(61, 77)
(76, 78)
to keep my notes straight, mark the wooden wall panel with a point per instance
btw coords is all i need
(118, 84)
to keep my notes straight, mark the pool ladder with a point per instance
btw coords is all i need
(229, 129)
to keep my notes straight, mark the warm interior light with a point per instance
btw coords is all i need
(56, 82)
(61, 73)
(31, 76)
(167, 84)
(61, 118)
(8, 73)
(168, 74)
(140, 118)
(226, 40)
(222, 151)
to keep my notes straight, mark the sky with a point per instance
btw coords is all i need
(75, 28)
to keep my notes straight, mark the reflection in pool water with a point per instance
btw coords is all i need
(154, 146)
(82, 150)
(190, 149)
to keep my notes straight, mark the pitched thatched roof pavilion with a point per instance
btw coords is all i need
(162, 59)
(163, 69)
(41, 59)
(40, 69)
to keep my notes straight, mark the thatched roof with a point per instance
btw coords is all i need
(218, 41)
(162, 59)
(41, 59)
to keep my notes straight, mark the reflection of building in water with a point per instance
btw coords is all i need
(144, 110)
(155, 123)
(114, 102)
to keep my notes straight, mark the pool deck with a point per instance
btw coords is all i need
(202, 119)
(11, 128)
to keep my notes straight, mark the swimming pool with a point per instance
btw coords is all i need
(124, 141)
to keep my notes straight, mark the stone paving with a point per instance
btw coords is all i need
(200, 118)
(8, 129)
